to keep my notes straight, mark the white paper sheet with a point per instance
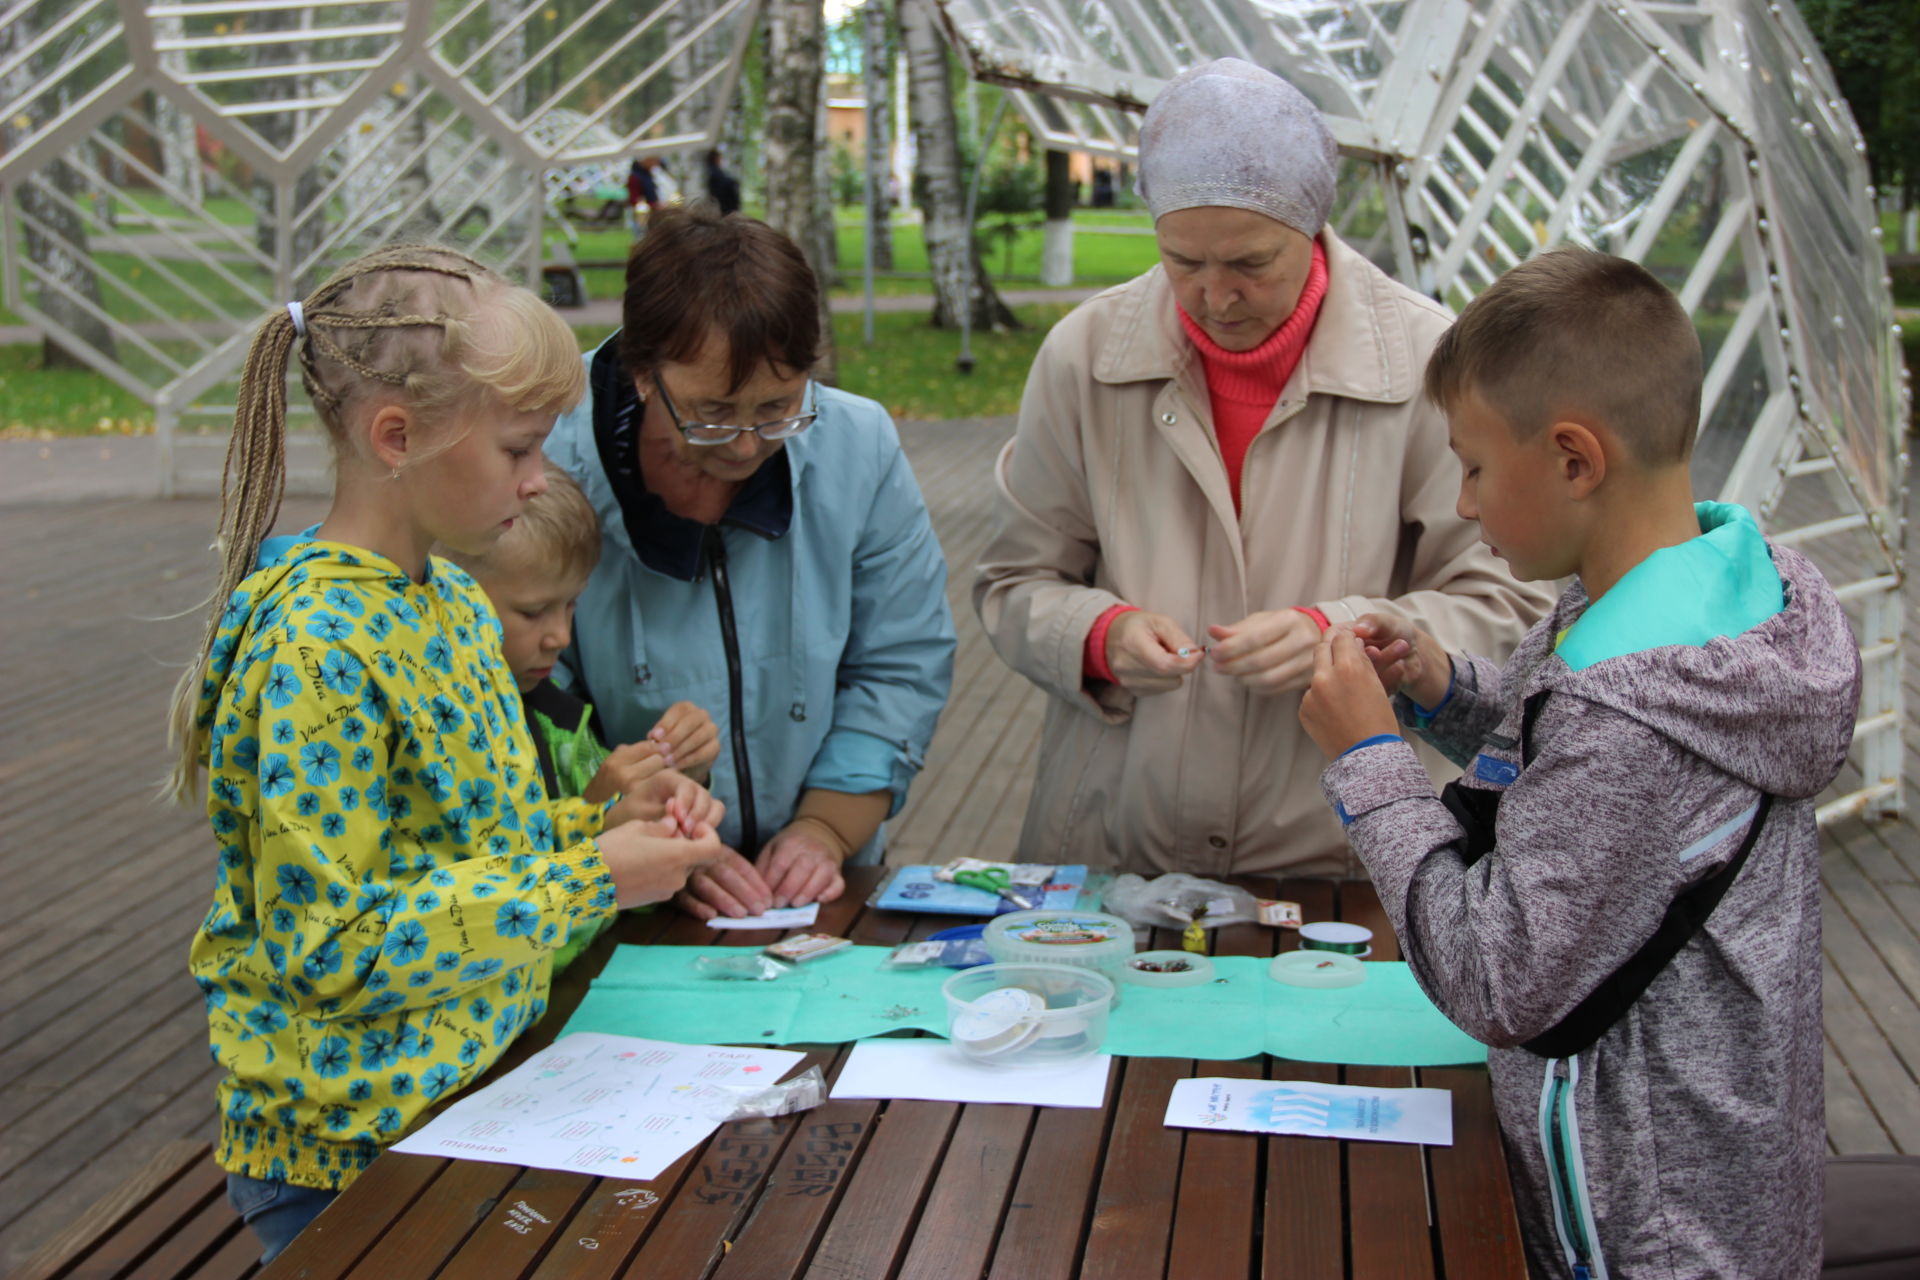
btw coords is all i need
(778, 918)
(936, 1071)
(1314, 1110)
(600, 1104)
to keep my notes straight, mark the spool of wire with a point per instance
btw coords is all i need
(1341, 939)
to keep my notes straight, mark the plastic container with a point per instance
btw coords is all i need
(1027, 1015)
(1317, 969)
(1167, 969)
(1084, 939)
(1343, 939)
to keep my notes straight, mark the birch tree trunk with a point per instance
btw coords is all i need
(959, 280)
(876, 71)
(796, 48)
(826, 246)
(54, 233)
(176, 133)
(1056, 242)
(295, 203)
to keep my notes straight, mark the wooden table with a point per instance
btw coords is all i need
(938, 1191)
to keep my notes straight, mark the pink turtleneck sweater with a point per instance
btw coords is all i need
(1241, 388)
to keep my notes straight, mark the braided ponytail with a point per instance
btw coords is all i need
(420, 324)
(253, 479)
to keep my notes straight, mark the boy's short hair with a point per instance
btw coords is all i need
(1578, 332)
(558, 536)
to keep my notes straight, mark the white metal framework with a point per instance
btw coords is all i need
(1703, 138)
(171, 169)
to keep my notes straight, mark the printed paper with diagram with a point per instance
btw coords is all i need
(1314, 1110)
(600, 1104)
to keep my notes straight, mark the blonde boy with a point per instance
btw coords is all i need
(533, 575)
(1621, 895)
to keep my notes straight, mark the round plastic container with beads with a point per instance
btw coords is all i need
(1027, 1015)
(1085, 939)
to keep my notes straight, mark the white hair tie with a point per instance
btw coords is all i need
(299, 315)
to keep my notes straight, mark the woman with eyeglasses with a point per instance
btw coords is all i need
(766, 555)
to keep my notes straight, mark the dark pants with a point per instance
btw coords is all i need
(277, 1211)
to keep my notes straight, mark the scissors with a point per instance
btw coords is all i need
(993, 879)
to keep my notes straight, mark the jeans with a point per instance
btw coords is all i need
(277, 1211)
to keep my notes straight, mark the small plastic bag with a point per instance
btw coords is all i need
(1177, 900)
(954, 953)
(747, 1101)
(748, 966)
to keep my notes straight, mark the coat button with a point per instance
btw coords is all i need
(1218, 842)
(798, 711)
(1168, 418)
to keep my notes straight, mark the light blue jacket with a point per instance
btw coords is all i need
(845, 636)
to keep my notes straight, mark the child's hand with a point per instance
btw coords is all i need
(1344, 703)
(624, 772)
(648, 801)
(1406, 659)
(688, 739)
(651, 861)
(692, 805)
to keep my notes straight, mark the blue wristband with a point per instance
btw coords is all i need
(1374, 741)
(1424, 716)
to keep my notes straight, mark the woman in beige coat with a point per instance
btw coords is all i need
(1213, 462)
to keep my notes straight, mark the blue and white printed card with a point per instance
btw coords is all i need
(1313, 1110)
(914, 888)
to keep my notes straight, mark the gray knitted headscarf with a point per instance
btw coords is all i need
(1228, 133)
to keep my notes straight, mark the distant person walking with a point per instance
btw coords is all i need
(721, 185)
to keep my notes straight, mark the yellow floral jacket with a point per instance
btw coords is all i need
(393, 880)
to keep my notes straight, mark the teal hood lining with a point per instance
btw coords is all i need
(1717, 585)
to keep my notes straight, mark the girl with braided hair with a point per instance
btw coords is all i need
(393, 881)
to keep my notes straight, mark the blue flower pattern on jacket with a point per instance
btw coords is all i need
(388, 892)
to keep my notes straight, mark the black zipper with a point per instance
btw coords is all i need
(736, 699)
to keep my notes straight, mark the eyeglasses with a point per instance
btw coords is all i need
(718, 433)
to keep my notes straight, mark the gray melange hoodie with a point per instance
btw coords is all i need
(1694, 1130)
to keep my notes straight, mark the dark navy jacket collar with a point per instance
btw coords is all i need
(667, 543)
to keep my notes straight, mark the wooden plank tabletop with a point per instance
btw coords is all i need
(103, 1036)
(912, 1190)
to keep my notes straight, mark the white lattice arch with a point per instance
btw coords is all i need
(1704, 138)
(174, 168)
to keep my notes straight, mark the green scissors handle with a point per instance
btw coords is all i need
(992, 879)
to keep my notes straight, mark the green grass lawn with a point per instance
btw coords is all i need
(38, 403)
(1100, 257)
(909, 368)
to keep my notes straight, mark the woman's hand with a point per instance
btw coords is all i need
(624, 772)
(1269, 652)
(1406, 659)
(1149, 652)
(650, 861)
(727, 886)
(688, 739)
(1344, 703)
(802, 864)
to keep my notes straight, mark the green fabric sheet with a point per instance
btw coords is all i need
(1385, 1021)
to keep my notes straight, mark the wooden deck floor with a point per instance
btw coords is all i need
(103, 1056)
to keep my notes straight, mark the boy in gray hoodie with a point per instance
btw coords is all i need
(1646, 760)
